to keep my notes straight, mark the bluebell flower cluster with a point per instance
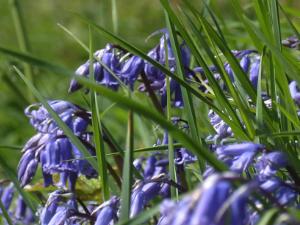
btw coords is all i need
(64, 208)
(258, 177)
(109, 68)
(205, 205)
(52, 149)
(14, 204)
(253, 161)
(112, 65)
(156, 181)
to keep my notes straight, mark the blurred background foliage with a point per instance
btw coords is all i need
(136, 21)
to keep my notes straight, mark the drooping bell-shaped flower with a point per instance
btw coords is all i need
(14, 204)
(131, 69)
(295, 93)
(291, 42)
(222, 129)
(144, 192)
(42, 121)
(203, 206)
(249, 62)
(52, 149)
(164, 53)
(60, 208)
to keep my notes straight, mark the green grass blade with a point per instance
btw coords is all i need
(289, 21)
(96, 126)
(22, 37)
(268, 217)
(189, 107)
(248, 26)
(114, 14)
(5, 215)
(171, 152)
(142, 217)
(235, 124)
(281, 134)
(259, 101)
(274, 11)
(242, 103)
(74, 37)
(127, 171)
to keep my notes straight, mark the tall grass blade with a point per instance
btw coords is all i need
(127, 171)
(5, 215)
(114, 13)
(96, 125)
(171, 152)
(23, 40)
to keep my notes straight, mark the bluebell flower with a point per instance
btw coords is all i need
(291, 42)
(52, 149)
(82, 70)
(131, 69)
(175, 91)
(42, 121)
(203, 205)
(61, 208)
(265, 166)
(50, 208)
(166, 208)
(107, 213)
(295, 93)
(150, 166)
(56, 155)
(144, 192)
(7, 196)
(222, 129)
(16, 207)
(111, 61)
(106, 56)
(269, 163)
(237, 156)
(249, 61)
(182, 155)
(138, 163)
(114, 67)
(157, 78)
(254, 70)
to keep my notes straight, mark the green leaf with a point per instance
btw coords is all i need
(127, 170)
(97, 131)
(142, 217)
(5, 214)
(268, 217)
